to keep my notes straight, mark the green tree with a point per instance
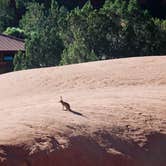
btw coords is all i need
(44, 45)
(7, 14)
(44, 49)
(17, 32)
(99, 28)
(19, 61)
(34, 17)
(78, 52)
(141, 28)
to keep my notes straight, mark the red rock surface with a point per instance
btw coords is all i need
(118, 118)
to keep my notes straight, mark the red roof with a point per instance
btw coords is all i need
(10, 43)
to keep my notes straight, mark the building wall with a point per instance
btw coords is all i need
(6, 65)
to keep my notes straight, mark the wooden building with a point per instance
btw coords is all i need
(9, 46)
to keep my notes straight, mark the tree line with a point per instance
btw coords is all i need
(57, 35)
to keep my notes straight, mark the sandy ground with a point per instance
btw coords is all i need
(118, 113)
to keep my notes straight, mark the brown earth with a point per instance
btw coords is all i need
(118, 115)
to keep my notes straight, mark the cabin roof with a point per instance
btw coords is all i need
(10, 43)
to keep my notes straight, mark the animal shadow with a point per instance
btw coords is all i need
(76, 113)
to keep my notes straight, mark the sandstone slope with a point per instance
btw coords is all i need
(118, 114)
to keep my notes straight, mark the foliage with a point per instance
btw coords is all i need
(34, 17)
(78, 52)
(7, 15)
(56, 35)
(44, 46)
(17, 32)
(43, 49)
(19, 61)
